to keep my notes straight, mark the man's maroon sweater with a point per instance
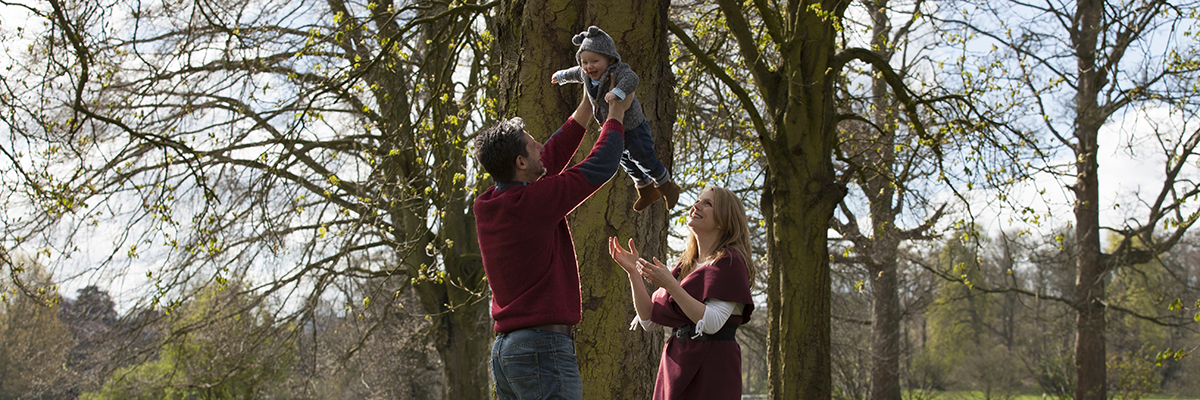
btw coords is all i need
(526, 246)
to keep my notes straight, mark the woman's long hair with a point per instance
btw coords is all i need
(734, 226)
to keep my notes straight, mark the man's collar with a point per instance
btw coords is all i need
(508, 185)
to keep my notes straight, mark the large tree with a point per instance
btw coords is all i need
(1077, 66)
(795, 63)
(534, 40)
(174, 143)
(797, 130)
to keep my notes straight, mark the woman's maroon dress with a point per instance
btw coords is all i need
(710, 369)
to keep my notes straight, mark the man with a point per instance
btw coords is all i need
(528, 254)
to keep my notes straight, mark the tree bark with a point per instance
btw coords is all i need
(534, 41)
(1090, 353)
(1091, 373)
(466, 338)
(803, 194)
(464, 343)
(882, 249)
(800, 190)
(461, 331)
(799, 300)
(885, 334)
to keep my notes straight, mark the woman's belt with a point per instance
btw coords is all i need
(688, 332)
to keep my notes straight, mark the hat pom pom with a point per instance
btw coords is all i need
(593, 31)
(578, 39)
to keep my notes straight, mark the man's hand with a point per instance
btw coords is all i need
(616, 109)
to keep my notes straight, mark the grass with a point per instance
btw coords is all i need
(977, 395)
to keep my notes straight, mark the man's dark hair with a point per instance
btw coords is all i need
(497, 147)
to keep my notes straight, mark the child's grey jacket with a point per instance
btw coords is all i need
(627, 82)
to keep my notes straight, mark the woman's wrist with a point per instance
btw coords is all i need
(676, 290)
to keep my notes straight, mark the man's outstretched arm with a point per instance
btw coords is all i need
(605, 157)
(559, 194)
(563, 143)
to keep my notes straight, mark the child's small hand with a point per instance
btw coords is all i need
(610, 97)
(553, 78)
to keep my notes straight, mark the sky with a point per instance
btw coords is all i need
(1131, 173)
(1124, 173)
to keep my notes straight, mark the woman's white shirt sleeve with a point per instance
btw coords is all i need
(716, 312)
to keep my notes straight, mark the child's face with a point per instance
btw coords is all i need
(594, 64)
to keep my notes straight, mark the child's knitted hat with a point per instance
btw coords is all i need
(594, 39)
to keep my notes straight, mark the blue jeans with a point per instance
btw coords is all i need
(639, 160)
(535, 364)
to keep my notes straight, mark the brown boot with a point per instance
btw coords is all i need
(646, 196)
(670, 193)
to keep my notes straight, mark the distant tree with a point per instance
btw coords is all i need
(92, 319)
(850, 360)
(1143, 290)
(371, 350)
(1143, 347)
(892, 173)
(1049, 358)
(959, 317)
(33, 341)
(993, 341)
(93, 305)
(222, 345)
(1181, 264)
(1010, 289)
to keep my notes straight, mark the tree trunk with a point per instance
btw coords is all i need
(802, 194)
(1090, 371)
(534, 40)
(610, 356)
(467, 323)
(1090, 353)
(465, 347)
(461, 331)
(885, 333)
(799, 297)
(880, 189)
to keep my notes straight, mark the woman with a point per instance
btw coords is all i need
(704, 299)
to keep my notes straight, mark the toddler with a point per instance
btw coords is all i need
(600, 67)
